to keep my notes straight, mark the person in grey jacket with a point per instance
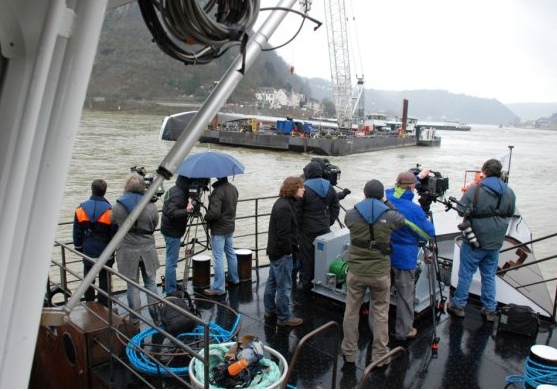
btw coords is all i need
(486, 206)
(137, 252)
(220, 217)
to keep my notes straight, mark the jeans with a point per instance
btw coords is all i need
(221, 245)
(133, 295)
(470, 260)
(277, 290)
(172, 255)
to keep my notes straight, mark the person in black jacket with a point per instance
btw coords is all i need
(282, 246)
(320, 209)
(221, 220)
(175, 212)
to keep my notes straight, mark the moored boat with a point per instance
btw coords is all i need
(308, 136)
(444, 125)
(427, 137)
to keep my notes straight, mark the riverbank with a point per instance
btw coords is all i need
(164, 108)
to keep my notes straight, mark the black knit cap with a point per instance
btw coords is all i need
(374, 189)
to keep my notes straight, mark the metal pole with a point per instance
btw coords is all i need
(184, 144)
(221, 92)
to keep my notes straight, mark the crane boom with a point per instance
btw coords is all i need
(337, 37)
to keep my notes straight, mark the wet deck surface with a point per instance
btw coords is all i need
(470, 353)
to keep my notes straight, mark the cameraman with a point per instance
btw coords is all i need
(320, 210)
(487, 205)
(175, 212)
(404, 254)
(221, 219)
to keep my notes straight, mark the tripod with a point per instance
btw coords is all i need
(199, 224)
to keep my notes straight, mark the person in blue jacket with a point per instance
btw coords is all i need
(92, 231)
(404, 242)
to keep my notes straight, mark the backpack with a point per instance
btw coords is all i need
(174, 321)
(518, 319)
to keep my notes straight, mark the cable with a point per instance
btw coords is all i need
(535, 374)
(304, 16)
(144, 362)
(212, 29)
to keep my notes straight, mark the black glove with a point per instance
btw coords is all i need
(342, 195)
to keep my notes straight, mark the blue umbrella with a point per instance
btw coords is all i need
(210, 164)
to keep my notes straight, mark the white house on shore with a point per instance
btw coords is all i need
(280, 98)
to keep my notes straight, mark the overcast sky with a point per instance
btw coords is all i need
(495, 49)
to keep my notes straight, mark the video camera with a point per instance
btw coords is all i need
(432, 186)
(195, 189)
(330, 171)
(148, 178)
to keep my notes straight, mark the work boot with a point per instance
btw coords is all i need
(210, 292)
(456, 311)
(292, 322)
(412, 333)
(489, 315)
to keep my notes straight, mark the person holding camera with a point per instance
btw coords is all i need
(220, 217)
(405, 244)
(370, 222)
(92, 231)
(282, 247)
(175, 212)
(137, 253)
(486, 207)
(320, 209)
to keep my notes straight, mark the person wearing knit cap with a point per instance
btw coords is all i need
(369, 267)
(405, 248)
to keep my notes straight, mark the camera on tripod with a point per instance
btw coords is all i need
(195, 189)
(148, 178)
(432, 186)
(330, 171)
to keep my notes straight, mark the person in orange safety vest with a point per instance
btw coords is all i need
(92, 231)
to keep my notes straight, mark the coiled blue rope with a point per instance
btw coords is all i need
(143, 362)
(535, 374)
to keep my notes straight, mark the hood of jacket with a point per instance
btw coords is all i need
(319, 186)
(313, 170)
(183, 182)
(371, 209)
(130, 200)
(495, 184)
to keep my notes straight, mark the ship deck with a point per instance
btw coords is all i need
(469, 352)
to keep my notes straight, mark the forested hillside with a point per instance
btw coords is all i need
(130, 68)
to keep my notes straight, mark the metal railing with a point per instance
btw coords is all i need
(66, 273)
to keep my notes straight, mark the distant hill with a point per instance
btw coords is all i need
(130, 67)
(431, 105)
(533, 111)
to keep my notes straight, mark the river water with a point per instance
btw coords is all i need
(107, 145)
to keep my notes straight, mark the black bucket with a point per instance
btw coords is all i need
(201, 274)
(244, 264)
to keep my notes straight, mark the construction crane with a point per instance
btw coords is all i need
(349, 102)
